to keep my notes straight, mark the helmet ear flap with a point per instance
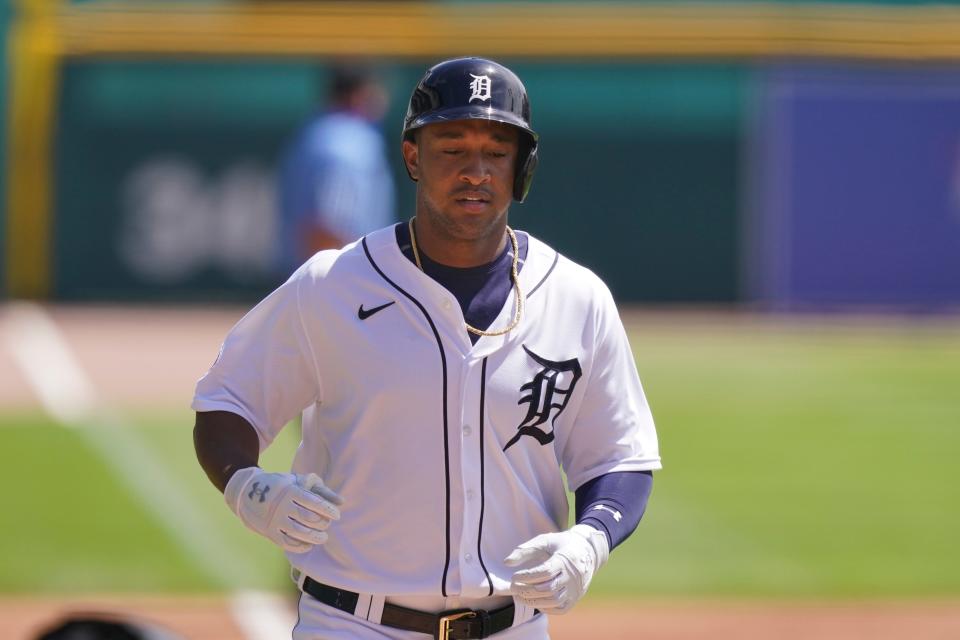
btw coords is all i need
(527, 162)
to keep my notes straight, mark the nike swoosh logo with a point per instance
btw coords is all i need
(363, 314)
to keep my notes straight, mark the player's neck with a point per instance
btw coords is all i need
(457, 252)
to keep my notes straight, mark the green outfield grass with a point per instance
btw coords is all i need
(797, 463)
(77, 525)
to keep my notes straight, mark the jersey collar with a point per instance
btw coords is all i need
(540, 259)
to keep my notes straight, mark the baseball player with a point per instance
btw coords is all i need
(446, 369)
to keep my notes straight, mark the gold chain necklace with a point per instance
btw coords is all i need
(513, 275)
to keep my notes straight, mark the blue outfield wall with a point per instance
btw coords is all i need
(858, 189)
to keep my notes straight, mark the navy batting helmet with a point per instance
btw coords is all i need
(476, 89)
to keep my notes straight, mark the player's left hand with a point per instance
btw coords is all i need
(566, 564)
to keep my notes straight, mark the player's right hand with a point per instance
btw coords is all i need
(291, 510)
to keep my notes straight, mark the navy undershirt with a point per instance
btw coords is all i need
(482, 291)
(623, 493)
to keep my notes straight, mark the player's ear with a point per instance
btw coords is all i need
(411, 158)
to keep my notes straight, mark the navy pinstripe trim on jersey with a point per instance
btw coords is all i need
(556, 258)
(483, 389)
(293, 631)
(446, 439)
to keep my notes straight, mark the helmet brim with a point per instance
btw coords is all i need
(472, 112)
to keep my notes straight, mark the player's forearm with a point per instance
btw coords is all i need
(224, 443)
(614, 503)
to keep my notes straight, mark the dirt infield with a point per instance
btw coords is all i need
(136, 357)
(206, 618)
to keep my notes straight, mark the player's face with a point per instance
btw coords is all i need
(464, 174)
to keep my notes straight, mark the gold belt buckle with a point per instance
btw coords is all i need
(444, 633)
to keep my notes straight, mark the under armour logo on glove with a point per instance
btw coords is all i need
(295, 515)
(257, 491)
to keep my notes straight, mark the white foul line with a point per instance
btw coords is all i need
(49, 365)
(45, 359)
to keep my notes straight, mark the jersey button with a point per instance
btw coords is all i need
(468, 557)
(470, 494)
(467, 430)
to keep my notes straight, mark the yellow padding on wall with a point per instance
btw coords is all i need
(415, 29)
(34, 67)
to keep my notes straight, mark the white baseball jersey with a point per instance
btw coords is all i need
(446, 453)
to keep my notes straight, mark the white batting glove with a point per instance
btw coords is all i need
(566, 564)
(293, 511)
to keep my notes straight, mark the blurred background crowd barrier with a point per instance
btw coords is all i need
(785, 155)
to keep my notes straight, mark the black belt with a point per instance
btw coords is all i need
(456, 624)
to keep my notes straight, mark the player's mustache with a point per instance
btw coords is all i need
(473, 192)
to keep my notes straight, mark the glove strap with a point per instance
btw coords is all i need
(597, 540)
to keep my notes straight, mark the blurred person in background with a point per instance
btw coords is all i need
(335, 183)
